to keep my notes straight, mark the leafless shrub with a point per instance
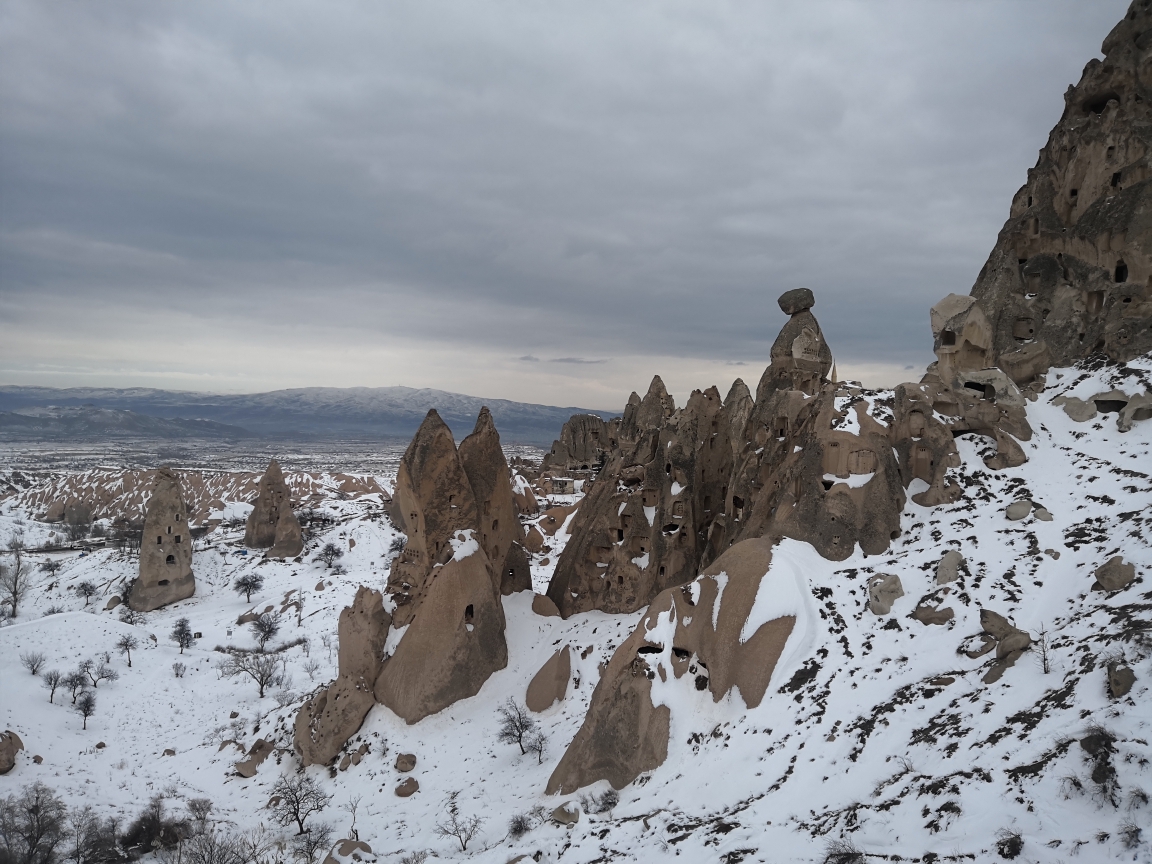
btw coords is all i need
(131, 616)
(33, 661)
(312, 843)
(415, 857)
(516, 724)
(605, 802)
(1137, 798)
(178, 669)
(87, 590)
(457, 825)
(300, 797)
(1009, 843)
(842, 852)
(312, 666)
(1041, 646)
(51, 680)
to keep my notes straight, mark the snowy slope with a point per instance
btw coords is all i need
(875, 730)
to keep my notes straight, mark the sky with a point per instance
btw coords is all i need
(545, 202)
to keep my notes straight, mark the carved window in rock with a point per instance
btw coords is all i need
(171, 559)
(861, 462)
(177, 517)
(922, 463)
(177, 538)
(159, 540)
(648, 498)
(1024, 329)
(948, 337)
(780, 428)
(169, 529)
(678, 508)
(1121, 272)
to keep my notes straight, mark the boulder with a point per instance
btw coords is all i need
(407, 787)
(796, 301)
(948, 570)
(10, 745)
(1042, 514)
(350, 852)
(550, 684)
(1120, 680)
(165, 548)
(112, 603)
(1115, 574)
(927, 614)
(883, 590)
(405, 762)
(1138, 408)
(258, 752)
(1078, 410)
(567, 813)
(272, 524)
(1018, 510)
(455, 642)
(543, 605)
(1011, 643)
(327, 720)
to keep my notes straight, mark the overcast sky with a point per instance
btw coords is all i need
(546, 202)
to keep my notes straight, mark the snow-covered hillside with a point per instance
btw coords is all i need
(877, 731)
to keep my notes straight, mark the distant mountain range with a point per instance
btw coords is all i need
(308, 413)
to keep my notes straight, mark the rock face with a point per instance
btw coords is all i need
(272, 524)
(256, 755)
(1115, 574)
(1069, 274)
(165, 548)
(584, 440)
(684, 641)
(1120, 680)
(10, 745)
(550, 684)
(327, 720)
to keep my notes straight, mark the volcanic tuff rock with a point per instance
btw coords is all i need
(332, 716)
(550, 684)
(1115, 574)
(272, 522)
(706, 631)
(583, 441)
(10, 745)
(1071, 271)
(166, 562)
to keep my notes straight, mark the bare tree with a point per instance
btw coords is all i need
(75, 683)
(78, 524)
(14, 584)
(455, 824)
(85, 706)
(34, 824)
(264, 669)
(352, 806)
(182, 635)
(52, 680)
(51, 566)
(515, 724)
(249, 584)
(312, 843)
(300, 797)
(33, 661)
(537, 742)
(330, 553)
(1043, 650)
(200, 809)
(128, 615)
(87, 590)
(127, 644)
(265, 628)
(312, 666)
(98, 672)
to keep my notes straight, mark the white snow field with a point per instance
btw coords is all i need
(875, 730)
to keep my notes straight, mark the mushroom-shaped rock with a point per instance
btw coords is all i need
(948, 570)
(883, 589)
(453, 645)
(551, 683)
(407, 787)
(726, 629)
(166, 561)
(796, 300)
(1115, 574)
(327, 720)
(258, 752)
(10, 745)
(1120, 679)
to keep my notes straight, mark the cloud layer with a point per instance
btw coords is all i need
(233, 197)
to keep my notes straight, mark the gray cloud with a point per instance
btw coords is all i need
(579, 361)
(304, 185)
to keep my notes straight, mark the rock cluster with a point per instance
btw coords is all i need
(166, 561)
(272, 525)
(1071, 270)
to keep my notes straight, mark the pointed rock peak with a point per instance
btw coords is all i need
(274, 473)
(634, 399)
(796, 300)
(658, 394)
(484, 423)
(737, 392)
(431, 424)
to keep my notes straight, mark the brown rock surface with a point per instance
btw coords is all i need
(487, 472)
(326, 722)
(883, 591)
(350, 852)
(165, 548)
(583, 441)
(1115, 574)
(1120, 681)
(407, 787)
(549, 685)
(272, 524)
(405, 762)
(10, 745)
(257, 753)
(541, 605)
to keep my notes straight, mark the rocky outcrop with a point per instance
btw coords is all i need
(1070, 271)
(1120, 680)
(350, 852)
(584, 440)
(1115, 574)
(165, 548)
(1010, 643)
(720, 633)
(10, 745)
(254, 758)
(549, 685)
(454, 642)
(272, 524)
(327, 720)
(948, 570)
(883, 591)
(488, 476)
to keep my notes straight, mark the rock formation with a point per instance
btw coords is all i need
(272, 525)
(1072, 267)
(883, 591)
(683, 636)
(1009, 640)
(166, 562)
(10, 745)
(549, 685)
(1114, 575)
(584, 440)
(327, 720)
(1120, 680)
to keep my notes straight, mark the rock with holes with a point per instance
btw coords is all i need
(10, 745)
(549, 685)
(1120, 679)
(165, 548)
(705, 635)
(455, 642)
(583, 441)
(272, 524)
(498, 527)
(327, 720)
(883, 590)
(1069, 273)
(948, 570)
(1114, 575)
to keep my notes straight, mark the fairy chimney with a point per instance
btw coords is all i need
(165, 548)
(272, 522)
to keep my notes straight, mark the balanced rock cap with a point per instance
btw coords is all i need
(796, 300)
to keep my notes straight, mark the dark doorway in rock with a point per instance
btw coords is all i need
(1121, 272)
(469, 614)
(171, 559)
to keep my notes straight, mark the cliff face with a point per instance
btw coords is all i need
(1071, 271)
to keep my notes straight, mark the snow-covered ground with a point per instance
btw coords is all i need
(878, 732)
